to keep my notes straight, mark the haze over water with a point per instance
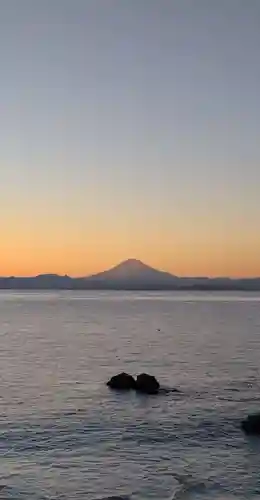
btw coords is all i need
(64, 435)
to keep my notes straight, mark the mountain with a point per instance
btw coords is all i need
(131, 274)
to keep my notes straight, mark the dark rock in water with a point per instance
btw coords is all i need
(147, 384)
(122, 382)
(115, 498)
(251, 425)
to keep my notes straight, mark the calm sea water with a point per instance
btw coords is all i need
(64, 435)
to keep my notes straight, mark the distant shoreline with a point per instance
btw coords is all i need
(133, 289)
(131, 275)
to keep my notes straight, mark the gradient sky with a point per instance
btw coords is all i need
(130, 128)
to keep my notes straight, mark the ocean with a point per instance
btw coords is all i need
(65, 436)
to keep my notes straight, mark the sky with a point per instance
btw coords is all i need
(130, 129)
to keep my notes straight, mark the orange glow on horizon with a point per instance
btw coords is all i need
(79, 262)
(62, 247)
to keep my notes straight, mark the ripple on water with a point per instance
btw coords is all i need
(56, 354)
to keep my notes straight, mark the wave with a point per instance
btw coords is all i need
(187, 486)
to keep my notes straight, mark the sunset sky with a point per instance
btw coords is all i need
(130, 128)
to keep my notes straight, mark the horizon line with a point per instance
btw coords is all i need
(87, 277)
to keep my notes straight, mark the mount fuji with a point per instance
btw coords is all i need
(133, 273)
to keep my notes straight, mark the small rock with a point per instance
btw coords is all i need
(147, 384)
(251, 425)
(122, 382)
(115, 498)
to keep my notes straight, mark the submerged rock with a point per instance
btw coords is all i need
(147, 384)
(169, 390)
(115, 498)
(122, 382)
(251, 425)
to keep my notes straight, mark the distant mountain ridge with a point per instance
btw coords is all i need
(135, 271)
(132, 274)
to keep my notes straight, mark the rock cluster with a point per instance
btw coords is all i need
(144, 383)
